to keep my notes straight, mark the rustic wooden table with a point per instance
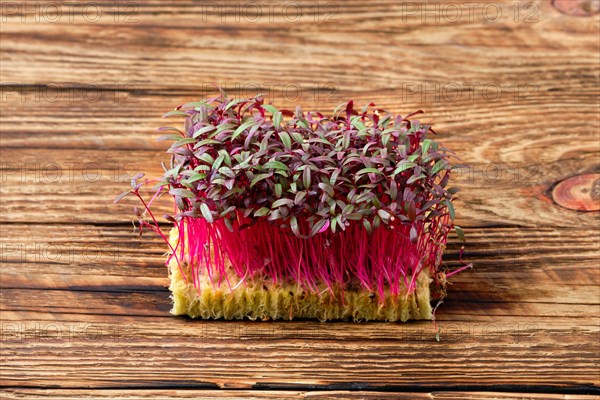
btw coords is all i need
(512, 86)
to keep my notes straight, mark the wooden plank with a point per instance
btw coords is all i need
(46, 352)
(280, 395)
(527, 314)
(184, 52)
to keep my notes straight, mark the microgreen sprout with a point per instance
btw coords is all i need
(357, 197)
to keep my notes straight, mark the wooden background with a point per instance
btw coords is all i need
(512, 86)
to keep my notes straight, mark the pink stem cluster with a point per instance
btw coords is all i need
(387, 258)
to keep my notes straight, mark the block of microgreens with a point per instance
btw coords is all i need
(284, 215)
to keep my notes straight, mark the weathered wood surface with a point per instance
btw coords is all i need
(84, 307)
(279, 394)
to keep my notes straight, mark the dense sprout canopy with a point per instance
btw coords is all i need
(241, 160)
(358, 197)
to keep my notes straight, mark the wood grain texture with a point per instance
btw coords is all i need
(280, 394)
(84, 304)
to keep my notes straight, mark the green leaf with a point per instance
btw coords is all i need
(384, 214)
(459, 233)
(175, 112)
(393, 190)
(205, 142)
(278, 190)
(413, 234)
(194, 104)
(453, 191)
(299, 197)
(194, 177)
(185, 183)
(204, 130)
(207, 158)
(376, 202)
(228, 172)
(226, 156)
(338, 109)
(354, 216)
(261, 212)
(182, 142)
(306, 178)
(218, 181)
(206, 213)
(233, 103)
(182, 193)
(170, 128)
(276, 114)
(285, 139)
(367, 226)
(414, 178)
(357, 123)
(317, 227)
(385, 139)
(229, 210)
(338, 220)
(282, 173)
(383, 122)
(346, 140)
(242, 127)
(368, 171)
(415, 126)
(294, 225)
(320, 140)
(327, 189)
(231, 192)
(259, 178)
(160, 184)
(276, 165)
(441, 164)
(450, 208)
(298, 138)
(228, 223)
(217, 164)
(403, 166)
(163, 138)
(282, 202)
(363, 197)
(376, 222)
(273, 110)
(277, 119)
(334, 176)
(224, 127)
(120, 197)
(425, 146)
(348, 209)
(301, 123)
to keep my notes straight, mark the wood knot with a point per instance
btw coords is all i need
(581, 193)
(577, 8)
